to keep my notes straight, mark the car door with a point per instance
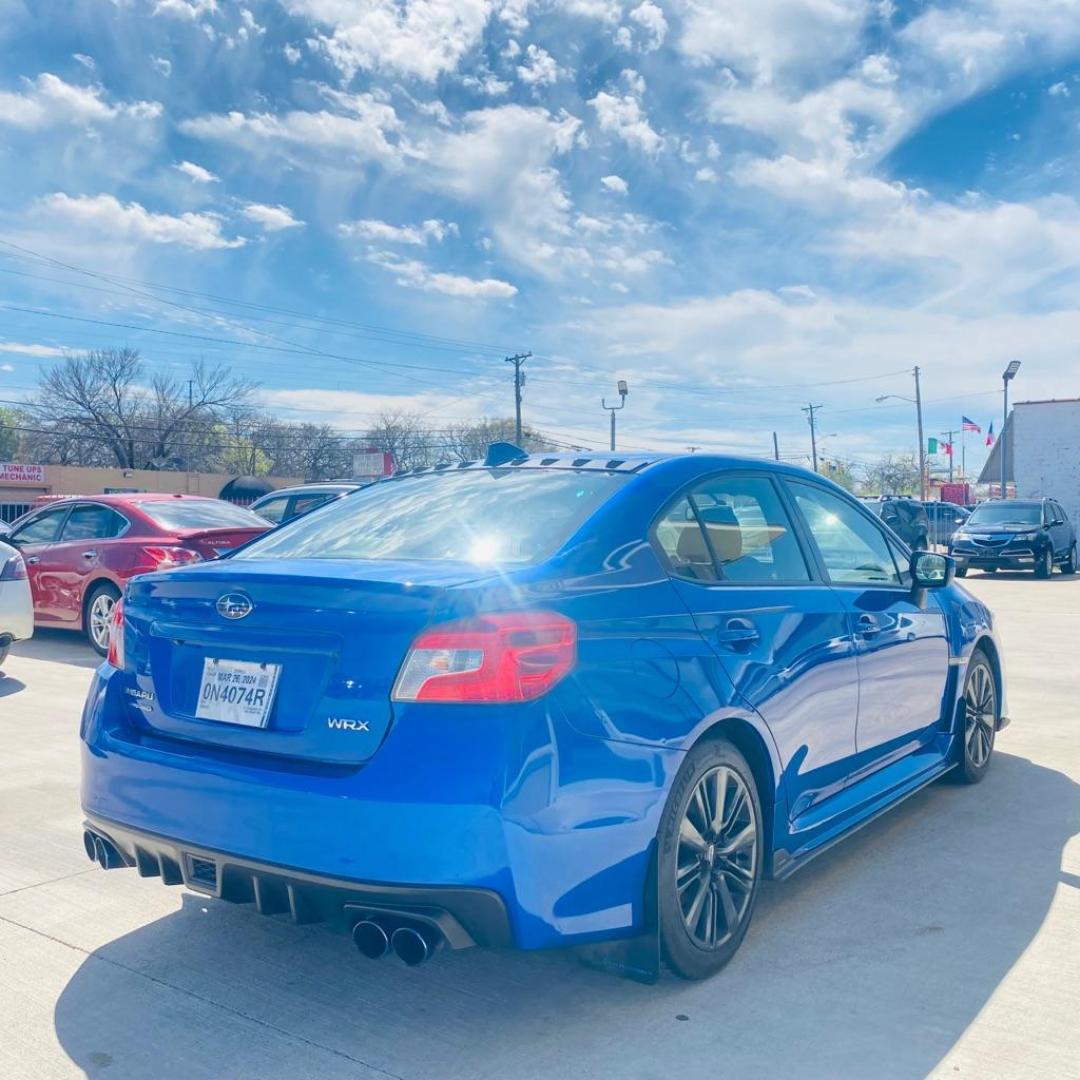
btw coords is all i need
(900, 639)
(781, 635)
(1060, 530)
(33, 537)
(79, 554)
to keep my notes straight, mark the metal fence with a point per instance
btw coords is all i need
(9, 511)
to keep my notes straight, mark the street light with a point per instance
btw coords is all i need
(1007, 377)
(917, 402)
(613, 409)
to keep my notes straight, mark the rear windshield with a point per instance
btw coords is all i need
(483, 516)
(1006, 514)
(200, 514)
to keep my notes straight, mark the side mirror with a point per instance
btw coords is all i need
(929, 570)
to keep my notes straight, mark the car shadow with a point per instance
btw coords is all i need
(62, 646)
(873, 961)
(10, 685)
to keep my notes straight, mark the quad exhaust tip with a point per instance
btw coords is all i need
(371, 939)
(411, 944)
(102, 851)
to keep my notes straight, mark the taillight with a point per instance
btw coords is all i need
(166, 557)
(511, 657)
(13, 569)
(115, 655)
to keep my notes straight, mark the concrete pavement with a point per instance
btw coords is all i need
(942, 940)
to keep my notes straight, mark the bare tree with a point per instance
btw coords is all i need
(406, 437)
(892, 474)
(469, 441)
(101, 394)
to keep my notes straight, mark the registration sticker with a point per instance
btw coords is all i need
(237, 692)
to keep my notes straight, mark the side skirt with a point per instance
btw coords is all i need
(785, 864)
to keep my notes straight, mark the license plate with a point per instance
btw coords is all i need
(237, 692)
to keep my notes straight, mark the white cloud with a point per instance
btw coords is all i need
(771, 40)
(650, 19)
(292, 54)
(86, 61)
(487, 83)
(163, 65)
(196, 172)
(384, 232)
(423, 38)
(49, 101)
(623, 116)
(614, 184)
(418, 275)
(42, 351)
(539, 67)
(271, 218)
(606, 11)
(131, 221)
(363, 130)
(1059, 89)
(7, 367)
(186, 9)
(706, 175)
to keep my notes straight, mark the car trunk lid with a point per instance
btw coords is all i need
(331, 634)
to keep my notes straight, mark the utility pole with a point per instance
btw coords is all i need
(190, 394)
(1007, 377)
(952, 450)
(810, 410)
(519, 381)
(613, 409)
(922, 441)
(775, 447)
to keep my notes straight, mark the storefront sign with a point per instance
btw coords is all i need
(372, 463)
(11, 473)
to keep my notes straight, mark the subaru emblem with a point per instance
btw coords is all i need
(234, 606)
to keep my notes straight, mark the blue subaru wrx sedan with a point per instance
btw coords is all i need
(550, 701)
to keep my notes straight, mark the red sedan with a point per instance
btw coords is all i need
(80, 551)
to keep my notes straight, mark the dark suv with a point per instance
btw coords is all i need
(1016, 534)
(906, 517)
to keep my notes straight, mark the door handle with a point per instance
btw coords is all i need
(33, 560)
(89, 554)
(868, 625)
(738, 632)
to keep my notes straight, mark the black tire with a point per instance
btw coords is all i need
(99, 604)
(1044, 568)
(1069, 565)
(980, 715)
(699, 883)
(961, 571)
(990, 570)
(4, 650)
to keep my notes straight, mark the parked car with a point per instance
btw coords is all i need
(287, 503)
(555, 702)
(906, 517)
(944, 519)
(81, 551)
(1016, 534)
(16, 605)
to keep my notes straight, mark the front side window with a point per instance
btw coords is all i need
(853, 549)
(735, 529)
(303, 503)
(92, 522)
(42, 530)
(273, 509)
(483, 516)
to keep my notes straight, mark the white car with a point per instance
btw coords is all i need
(16, 603)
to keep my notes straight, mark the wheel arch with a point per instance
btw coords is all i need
(988, 647)
(88, 591)
(755, 747)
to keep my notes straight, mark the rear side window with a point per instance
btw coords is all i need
(273, 509)
(738, 531)
(504, 516)
(303, 503)
(93, 522)
(183, 514)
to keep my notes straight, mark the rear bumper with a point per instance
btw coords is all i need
(464, 917)
(557, 826)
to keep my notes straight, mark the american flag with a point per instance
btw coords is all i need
(967, 424)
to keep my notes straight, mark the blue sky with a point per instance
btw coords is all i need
(738, 207)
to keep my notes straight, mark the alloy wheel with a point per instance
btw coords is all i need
(101, 608)
(716, 863)
(980, 716)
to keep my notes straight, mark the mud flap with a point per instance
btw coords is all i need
(636, 958)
